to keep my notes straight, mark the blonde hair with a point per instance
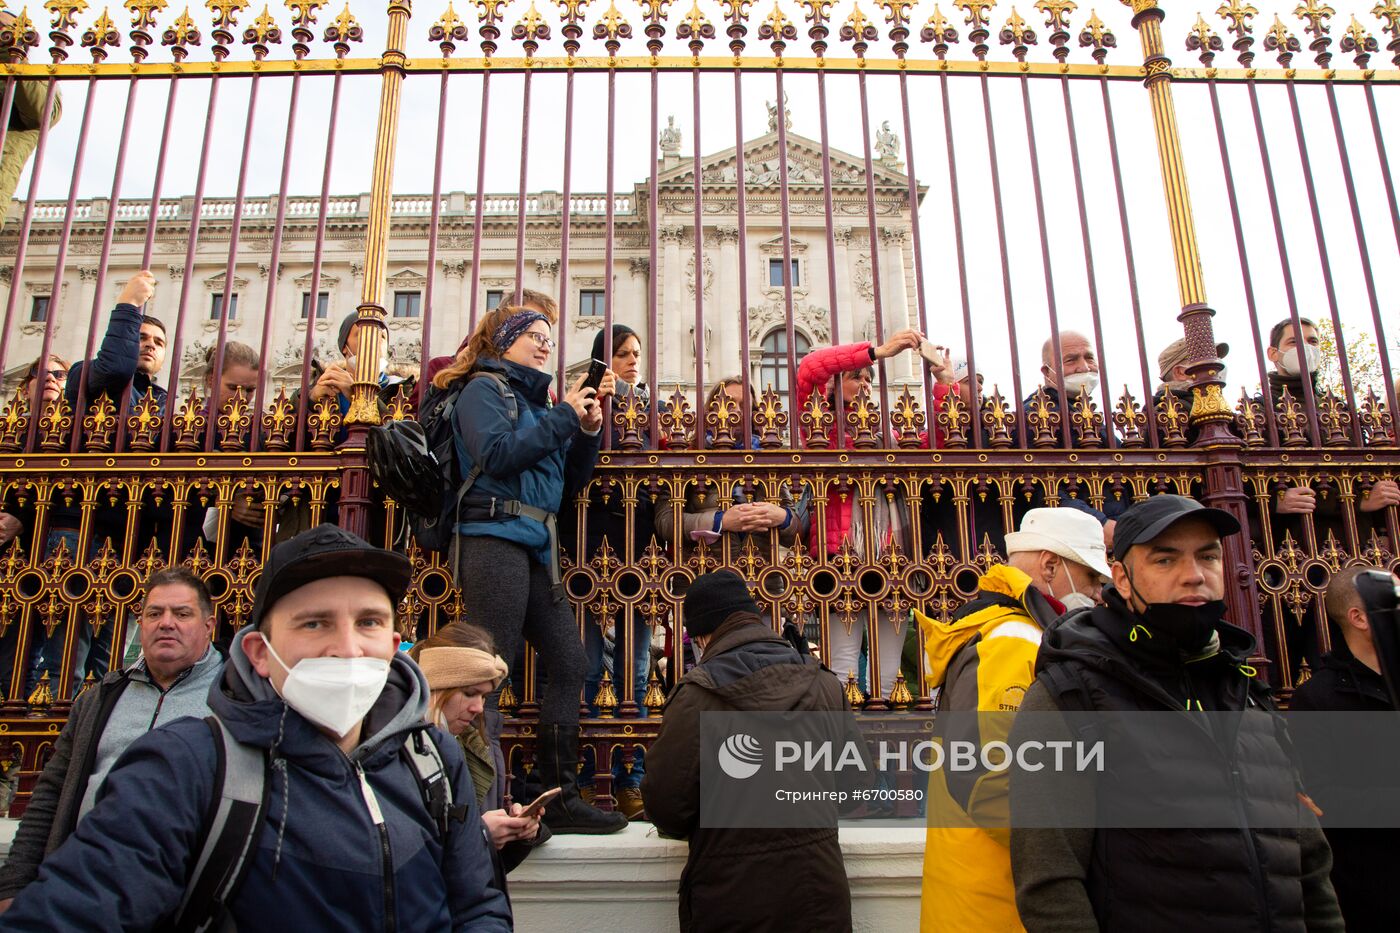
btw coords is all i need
(480, 344)
(454, 635)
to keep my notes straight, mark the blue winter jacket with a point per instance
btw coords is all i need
(115, 363)
(543, 461)
(319, 862)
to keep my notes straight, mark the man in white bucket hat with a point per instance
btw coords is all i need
(984, 660)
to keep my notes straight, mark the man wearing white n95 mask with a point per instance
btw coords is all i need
(1079, 371)
(984, 660)
(354, 831)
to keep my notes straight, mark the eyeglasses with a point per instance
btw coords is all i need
(541, 341)
(59, 374)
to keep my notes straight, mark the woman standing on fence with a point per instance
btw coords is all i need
(463, 669)
(524, 456)
(841, 372)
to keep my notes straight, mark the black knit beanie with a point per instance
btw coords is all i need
(620, 332)
(714, 597)
(345, 327)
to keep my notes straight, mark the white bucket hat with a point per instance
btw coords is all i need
(1070, 533)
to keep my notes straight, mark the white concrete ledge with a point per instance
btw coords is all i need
(628, 881)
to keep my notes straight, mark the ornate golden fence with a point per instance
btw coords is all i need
(135, 483)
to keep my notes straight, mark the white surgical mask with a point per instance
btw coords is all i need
(1078, 600)
(1288, 359)
(1081, 383)
(1075, 599)
(333, 693)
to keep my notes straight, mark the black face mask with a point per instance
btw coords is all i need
(1190, 627)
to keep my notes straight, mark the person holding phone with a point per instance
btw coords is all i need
(608, 517)
(525, 457)
(463, 669)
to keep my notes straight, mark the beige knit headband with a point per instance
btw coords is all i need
(447, 668)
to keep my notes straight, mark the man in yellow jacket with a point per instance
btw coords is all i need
(983, 661)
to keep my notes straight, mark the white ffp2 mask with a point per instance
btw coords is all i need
(333, 693)
(1081, 383)
(1288, 359)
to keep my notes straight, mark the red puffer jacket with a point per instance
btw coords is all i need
(816, 370)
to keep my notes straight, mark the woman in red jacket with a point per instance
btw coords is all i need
(841, 371)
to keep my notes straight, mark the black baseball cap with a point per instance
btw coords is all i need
(1151, 517)
(327, 551)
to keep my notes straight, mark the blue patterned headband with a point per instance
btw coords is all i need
(512, 327)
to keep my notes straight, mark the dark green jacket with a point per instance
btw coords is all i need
(23, 135)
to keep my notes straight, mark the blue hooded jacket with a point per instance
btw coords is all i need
(543, 460)
(317, 863)
(116, 362)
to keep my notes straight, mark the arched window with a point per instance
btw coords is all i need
(774, 368)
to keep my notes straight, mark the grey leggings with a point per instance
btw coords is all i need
(508, 593)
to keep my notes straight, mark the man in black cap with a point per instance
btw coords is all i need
(355, 830)
(742, 879)
(1160, 644)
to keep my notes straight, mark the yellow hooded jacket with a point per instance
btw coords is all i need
(984, 660)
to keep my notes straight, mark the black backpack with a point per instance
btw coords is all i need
(415, 462)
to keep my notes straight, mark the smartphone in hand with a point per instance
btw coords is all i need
(597, 369)
(537, 805)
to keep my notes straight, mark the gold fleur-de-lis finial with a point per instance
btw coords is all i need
(1239, 14)
(1202, 32)
(1316, 14)
(654, 11)
(226, 12)
(736, 12)
(857, 26)
(896, 11)
(695, 26)
(818, 11)
(488, 12)
(939, 31)
(264, 29)
(777, 24)
(1360, 43)
(1056, 12)
(531, 26)
(1016, 33)
(347, 26)
(448, 23)
(64, 12)
(978, 11)
(1388, 10)
(1358, 33)
(181, 33)
(143, 12)
(101, 33)
(937, 27)
(612, 26)
(571, 11)
(1096, 34)
(1279, 35)
(304, 11)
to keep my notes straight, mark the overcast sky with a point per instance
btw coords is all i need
(634, 149)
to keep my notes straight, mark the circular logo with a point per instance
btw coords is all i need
(740, 756)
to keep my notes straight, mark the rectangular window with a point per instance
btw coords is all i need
(323, 305)
(407, 304)
(39, 309)
(216, 306)
(775, 273)
(590, 303)
(494, 299)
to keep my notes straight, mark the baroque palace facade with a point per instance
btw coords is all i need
(676, 278)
